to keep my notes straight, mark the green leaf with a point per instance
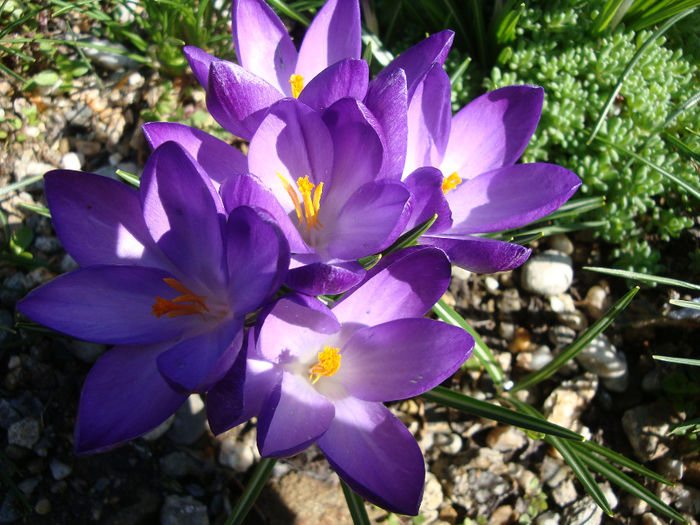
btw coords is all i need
(21, 184)
(624, 461)
(685, 304)
(482, 352)
(410, 237)
(46, 78)
(21, 239)
(646, 278)
(450, 398)
(252, 490)
(677, 360)
(356, 506)
(41, 210)
(578, 345)
(130, 178)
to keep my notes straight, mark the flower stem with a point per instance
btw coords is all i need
(251, 492)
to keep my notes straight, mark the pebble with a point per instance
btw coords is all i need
(24, 433)
(42, 507)
(506, 439)
(585, 511)
(566, 402)
(190, 421)
(59, 470)
(565, 493)
(522, 341)
(29, 169)
(562, 303)
(71, 161)
(597, 301)
(601, 358)
(548, 518)
(650, 519)
(178, 464)
(509, 301)
(160, 430)
(236, 454)
(448, 443)
(183, 510)
(646, 427)
(432, 494)
(503, 515)
(108, 59)
(561, 335)
(531, 361)
(460, 273)
(548, 273)
(85, 351)
(9, 512)
(48, 245)
(561, 243)
(491, 283)
(68, 264)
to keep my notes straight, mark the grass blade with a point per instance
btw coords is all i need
(130, 178)
(652, 279)
(41, 210)
(411, 236)
(251, 492)
(356, 506)
(283, 8)
(677, 360)
(569, 353)
(450, 398)
(481, 351)
(624, 461)
(685, 304)
(21, 184)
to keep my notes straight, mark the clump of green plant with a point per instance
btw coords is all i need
(554, 49)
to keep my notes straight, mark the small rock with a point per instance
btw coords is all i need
(553, 472)
(460, 273)
(14, 362)
(71, 161)
(562, 303)
(238, 455)
(9, 510)
(651, 382)
(609, 494)
(178, 464)
(48, 245)
(136, 80)
(566, 402)
(24, 433)
(448, 443)
(183, 510)
(522, 341)
(108, 59)
(506, 330)
(190, 421)
(650, 519)
(503, 515)
(561, 243)
(28, 485)
(59, 470)
(547, 518)
(565, 493)
(432, 494)
(68, 264)
(506, 439)
(575, 320)
(509, 301)
(160, 430)
(646, 428)
(601, 358)
(86, 351)
(597, 301)
(583, 512)
(531, 361)
(24, 169)
(561, 335)
(491, 283)
(42, 507)
(548, 273)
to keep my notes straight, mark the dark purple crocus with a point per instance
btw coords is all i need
(320, 375)
(167, 276)
(318, 175)
(464, 169)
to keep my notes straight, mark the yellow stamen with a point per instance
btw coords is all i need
(297, 82)
(451, 182)
(186, 304)
(308, 207)
(328, 364)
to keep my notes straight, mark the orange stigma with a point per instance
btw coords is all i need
(451, 182)
(328, 364)
(186, 304)
(297, 82)
(308, 207)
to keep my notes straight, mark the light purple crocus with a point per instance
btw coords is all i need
(167, 276)
(318, 176)
(464, 169)
(320, 375)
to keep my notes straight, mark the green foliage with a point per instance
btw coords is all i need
(554, 49)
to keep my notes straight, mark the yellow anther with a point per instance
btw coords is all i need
(451, 182)
(297, 82)
(328, 364)
(308, 206)
(186, 304)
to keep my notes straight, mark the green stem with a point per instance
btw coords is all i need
(356, 506)
(251, 492)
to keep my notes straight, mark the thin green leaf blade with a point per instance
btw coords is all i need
(618, 458)
(677, 360)
(356, 505)
(685, 304)
(252, 490)
(646, 278)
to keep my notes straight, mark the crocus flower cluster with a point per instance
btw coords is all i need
(184, 276)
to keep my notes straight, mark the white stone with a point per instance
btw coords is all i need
(548, 273)
(71, 161)
(236, 455)
(59, 470)
(601, 358)
(460, 273)
(548, 518)
(561, 243)
(491, 283)
(597, 301)
(562, 303)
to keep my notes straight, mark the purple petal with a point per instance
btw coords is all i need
(334, 35)
(292, 417)
(263, 46)
(493, 130)
(218, 159)
(123, 397)
(237, 99)
(199, 61)
(478, 254)
(416, 60)
(248, 190)
(387, 99)
(325, 279)
(428, 199)
(291, 142)
(373, 217)
(107, 304)
(510, 197)
(258, 258)
(180, 208)
(402, 358)
(195, 364)
(292, 329)
(376, 455)
(99, 221)
(429, 117)
(406, 285)
(226, 399)
(347, 78)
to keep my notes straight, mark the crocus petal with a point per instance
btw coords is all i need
(428, 198)
(347, 78)
(248, 190)
(223, 409)
(99, 221)
(123, 397)
(416, 60)
(263, 46)
(292, 417)
(478, 254)
(373, 217)
(510, 197)
(492, 130)
(199, 61)
(180, 208)
(292, 329)
(401, 358)
(107, 304)
(237, 99)
(376, 455)
(258, 258)
(429, 115)
(325, 278)
(218, 159)
(334, 34)
(292, 142)
(407, 285)
(195, 364)
(387, 99)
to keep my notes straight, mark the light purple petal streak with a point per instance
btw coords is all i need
(478, 254)
(199, 61)
(346, 78)
(425, 185)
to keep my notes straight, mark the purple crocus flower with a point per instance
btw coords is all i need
(330, 202)
(166, 276)
(463, 168)
(320, 375)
